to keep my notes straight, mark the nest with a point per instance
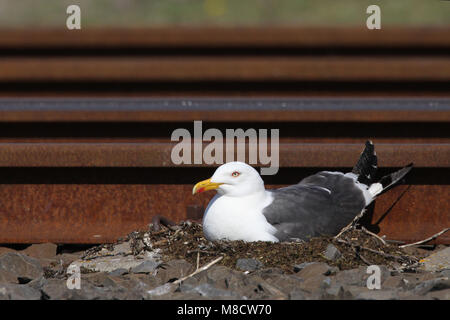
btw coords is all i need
(357, 247)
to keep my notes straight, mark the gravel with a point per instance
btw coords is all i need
(145, 265)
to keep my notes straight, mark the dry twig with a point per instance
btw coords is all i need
(205, 267)
(198, 260)
(351, 224)
(387, 255)
(373, 235)
(426, 240)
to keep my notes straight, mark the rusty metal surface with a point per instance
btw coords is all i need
(228, 68)
(225, 110)
(159, 155)
(273, 36)
(73, 213)
(275, 61)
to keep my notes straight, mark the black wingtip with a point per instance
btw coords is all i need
(366, 166)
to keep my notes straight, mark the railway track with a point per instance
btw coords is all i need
(86, 120)
(78, 170)
(233, 62)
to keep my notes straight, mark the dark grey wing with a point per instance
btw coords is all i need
(321, 204)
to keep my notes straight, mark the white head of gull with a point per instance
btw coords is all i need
(235, 213)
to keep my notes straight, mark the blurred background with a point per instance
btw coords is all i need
(150, 13)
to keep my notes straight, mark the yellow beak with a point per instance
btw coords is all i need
(205, 185)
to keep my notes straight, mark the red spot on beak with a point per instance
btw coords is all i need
(201, 190)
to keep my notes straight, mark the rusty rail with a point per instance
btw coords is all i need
(91, 170)
(241, 62)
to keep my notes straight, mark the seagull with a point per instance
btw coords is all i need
(319, 205)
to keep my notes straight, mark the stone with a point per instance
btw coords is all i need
(268, 272)
(118, 272)
(15, 266)
(57, 290)
(326, 283)
(315, 269)
(301, 266)
(298, 295)
(248, 264)
(174, 269)
(224, 277)
(332, 253)
(207, 290)
(111, 263)
(5, 250)
(132, 281)
(394, 282)
(270, 291)
(99, 279)
(432, 285)
(358, 276)
(10, 291)
(336, 292)
(67, 258)
(445, 273)
(378, 295)
(439, 295)
(123, 248)
(41, 250)
(285, 283)
(437, 261)
(162, 290)
(148, 266)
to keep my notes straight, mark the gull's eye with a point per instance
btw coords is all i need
(235, 174)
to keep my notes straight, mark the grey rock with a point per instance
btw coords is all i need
(207, 290)
(301, 266)
(37, 283)
(57, 290)
(67, 258)
(123, 248)
(174, 269)
(394, 282)
(358, 276)
(315, 269)
(268, 272)
(439, 295)
(270, 291)
(315, 276)
(148, 266)
(285, 283)
(445, 273)
(298, 294)
(41, 250)
(118, 272)
(437, 261)
(109, 263)
(162, 290)
(378, 295)
(336, 292)
(99, 279)
(10, 291)
(226, 278)
(15, 265)
(136, 281)
(326, 283)
(332, 253)
(432, 285)
(248, 264)
(5, 250)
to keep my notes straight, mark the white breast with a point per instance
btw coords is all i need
(238, 218)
